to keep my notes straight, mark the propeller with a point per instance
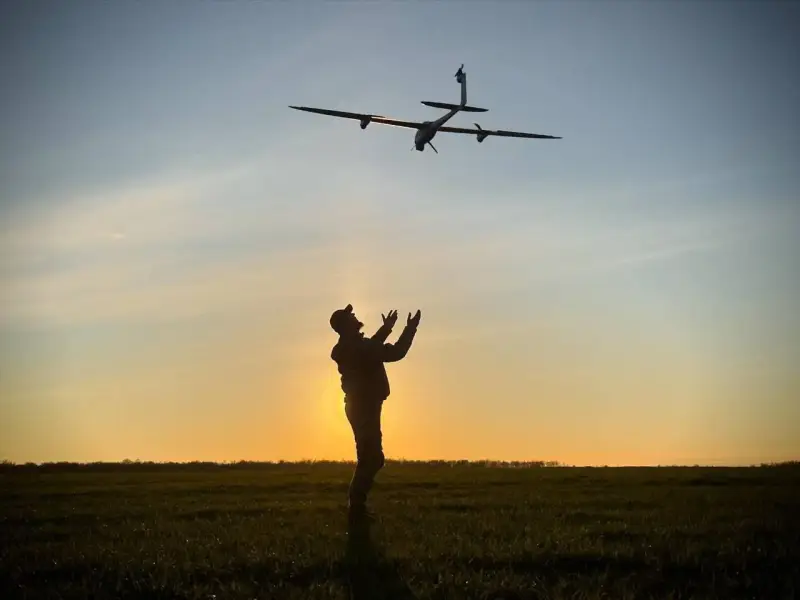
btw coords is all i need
(414, 147)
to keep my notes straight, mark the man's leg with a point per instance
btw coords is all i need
(365, 419)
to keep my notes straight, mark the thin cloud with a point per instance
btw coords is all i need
(250, 236)
(666, 253)
(72, 222)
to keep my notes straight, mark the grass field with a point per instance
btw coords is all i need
(443, 531)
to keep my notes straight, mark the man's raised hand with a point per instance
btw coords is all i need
(413, 321)
(390, 319)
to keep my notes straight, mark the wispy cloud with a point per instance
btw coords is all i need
(348, 247)
(146, 211)
(665, 253)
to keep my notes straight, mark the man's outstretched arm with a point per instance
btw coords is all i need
(398, 350)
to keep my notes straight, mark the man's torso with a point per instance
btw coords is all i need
(362, 372)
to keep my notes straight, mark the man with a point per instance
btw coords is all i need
(365, 384)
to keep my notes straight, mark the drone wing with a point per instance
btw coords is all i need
(365, 119)
(482, 133)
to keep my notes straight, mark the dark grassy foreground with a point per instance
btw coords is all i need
(443, 532)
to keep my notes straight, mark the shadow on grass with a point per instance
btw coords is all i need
(368, 575)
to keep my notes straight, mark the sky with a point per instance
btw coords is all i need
(174, 238)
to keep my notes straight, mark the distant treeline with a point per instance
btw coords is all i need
(140, 465)
(201, 466)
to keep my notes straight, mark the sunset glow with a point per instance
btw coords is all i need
(174, 239)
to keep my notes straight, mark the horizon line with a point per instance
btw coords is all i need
(488, 463)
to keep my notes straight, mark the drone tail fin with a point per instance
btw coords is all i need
(461, 78)
(463, 81)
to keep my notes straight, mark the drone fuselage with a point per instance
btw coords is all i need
(423, 136)
(426, 133)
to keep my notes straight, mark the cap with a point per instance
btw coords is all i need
(338, 317)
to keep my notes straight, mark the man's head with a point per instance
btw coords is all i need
(344, 321)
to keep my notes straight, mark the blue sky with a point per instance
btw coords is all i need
(173, 236)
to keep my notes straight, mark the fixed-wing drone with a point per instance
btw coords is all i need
(426, 130)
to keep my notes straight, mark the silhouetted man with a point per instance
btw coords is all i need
(365, 385)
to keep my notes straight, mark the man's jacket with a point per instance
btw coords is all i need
(360, 362)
